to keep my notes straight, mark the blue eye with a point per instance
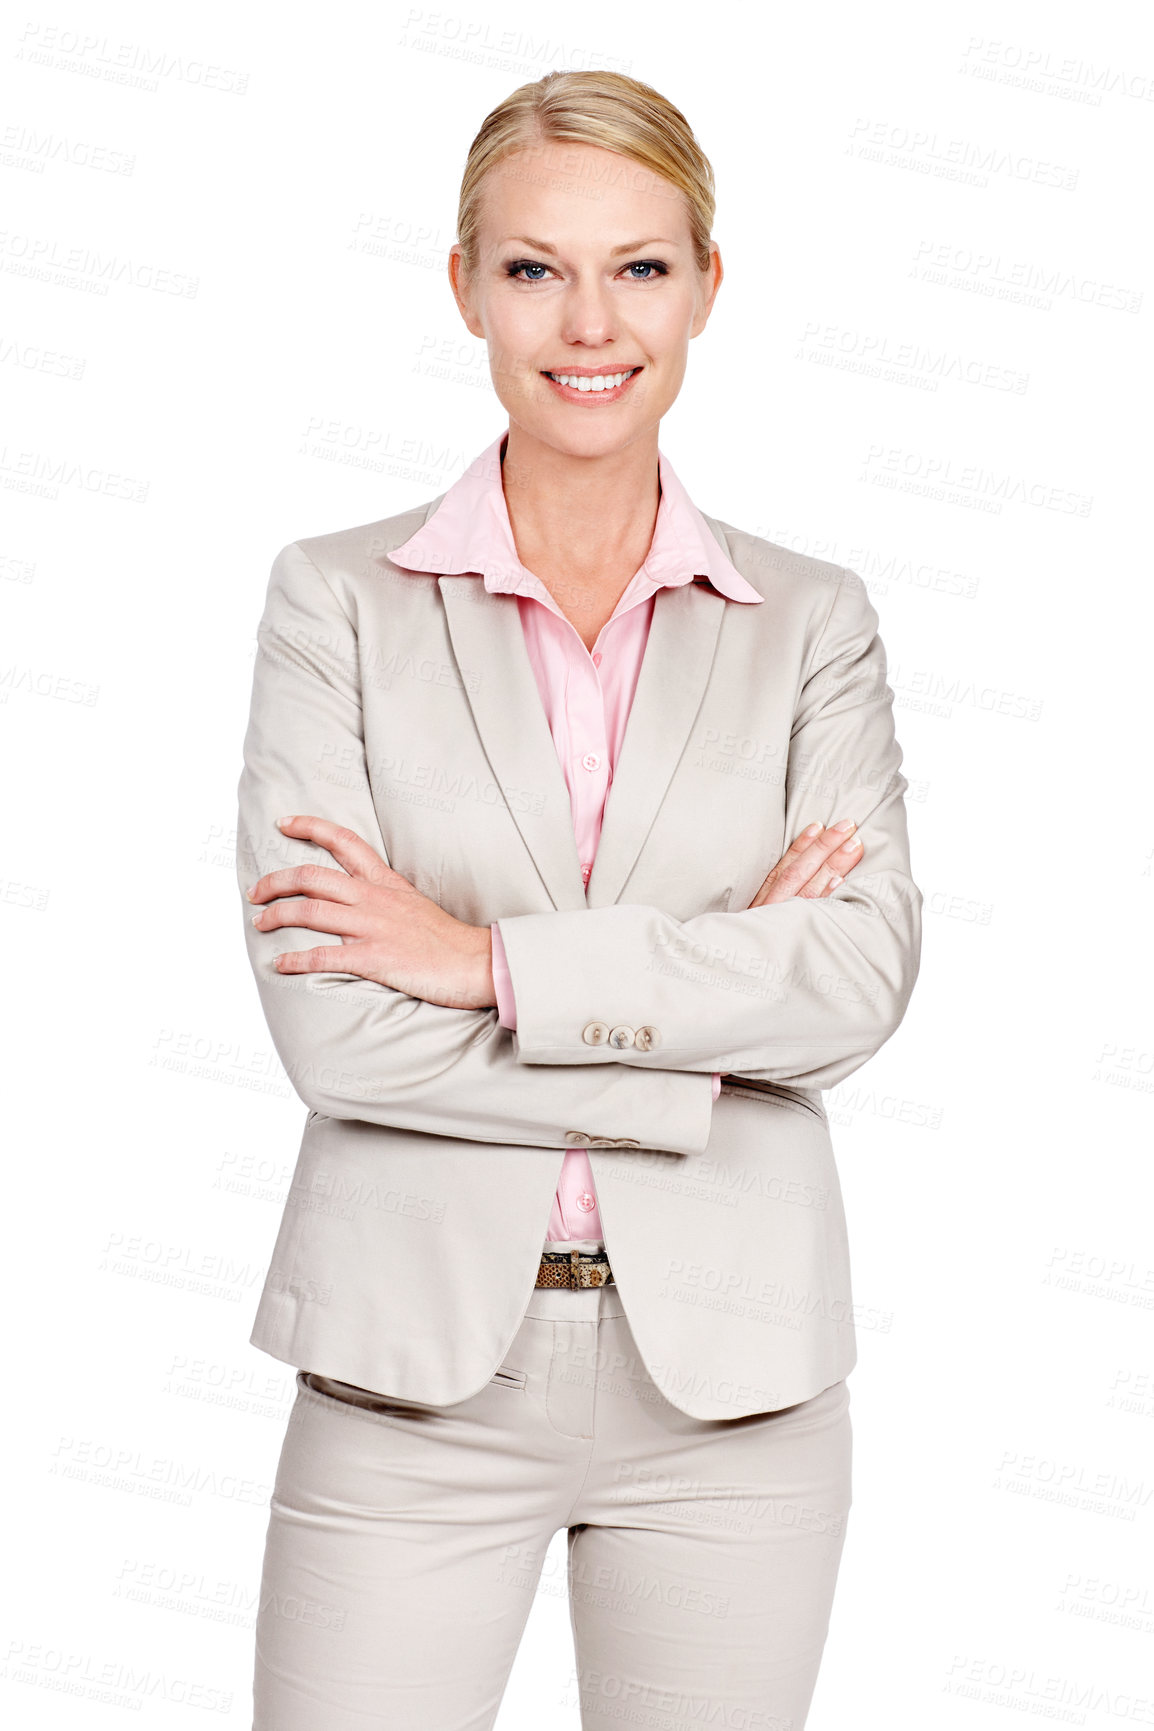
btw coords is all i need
(515, 268)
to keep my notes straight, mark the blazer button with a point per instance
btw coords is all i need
(595, 1033)
(577, 1138)
(621, 1036)
(648, 1038)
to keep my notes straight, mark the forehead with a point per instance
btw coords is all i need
(559, 191)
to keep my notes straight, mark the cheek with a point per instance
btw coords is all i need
(518, 324)
(667, 323)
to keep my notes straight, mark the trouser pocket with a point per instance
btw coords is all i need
(350, 1395)
(505, 1376)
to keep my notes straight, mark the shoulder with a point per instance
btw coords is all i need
(345, 570)
(349, 555)
(791, 580)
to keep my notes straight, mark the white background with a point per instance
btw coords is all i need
(228, 325)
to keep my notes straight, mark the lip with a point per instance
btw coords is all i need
(571, 394)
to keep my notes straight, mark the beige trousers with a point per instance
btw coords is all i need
(405, 1544)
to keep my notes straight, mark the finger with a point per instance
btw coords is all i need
(325, 959)
(800, 842)
(810, 853)
(837, 865)
(360, 959)
(346, 846)
(798, 865)
(313, 916)
(308, 877)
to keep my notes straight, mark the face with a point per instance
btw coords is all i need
(585, 270)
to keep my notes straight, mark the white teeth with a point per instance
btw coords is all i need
(602, 381)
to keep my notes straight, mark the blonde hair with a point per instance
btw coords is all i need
(594, 107)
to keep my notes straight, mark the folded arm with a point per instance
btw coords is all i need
(353, 1048)
(800, 992)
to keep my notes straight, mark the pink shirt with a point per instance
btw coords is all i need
(587, 695)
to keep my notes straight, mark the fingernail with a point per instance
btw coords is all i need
(812, 829)
(283, 820)
(856, 842)
(834, 881)
(846, 823)
(256, 917)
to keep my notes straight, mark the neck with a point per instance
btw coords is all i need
(589, 520)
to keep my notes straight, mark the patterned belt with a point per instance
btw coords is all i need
(574, 1268)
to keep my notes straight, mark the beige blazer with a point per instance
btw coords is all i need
(405, 707)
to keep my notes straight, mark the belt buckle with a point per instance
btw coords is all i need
(597, 1264)
(596, 1268)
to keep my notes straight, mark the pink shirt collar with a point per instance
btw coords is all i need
(470, 533)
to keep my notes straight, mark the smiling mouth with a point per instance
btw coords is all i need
(593, 383)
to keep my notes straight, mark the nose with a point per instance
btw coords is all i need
(588, 318)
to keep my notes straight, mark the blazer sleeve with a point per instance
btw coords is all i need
(353, 1048)
(507, 1003)
(800, 992)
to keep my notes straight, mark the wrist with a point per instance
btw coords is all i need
(483, 989)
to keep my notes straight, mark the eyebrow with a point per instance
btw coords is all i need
(615, 252)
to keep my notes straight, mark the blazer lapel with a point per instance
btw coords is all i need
(674, 673)
(498, 679)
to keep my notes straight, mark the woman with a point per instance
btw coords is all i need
(565, 1244)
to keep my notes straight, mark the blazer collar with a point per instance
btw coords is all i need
(489, 646)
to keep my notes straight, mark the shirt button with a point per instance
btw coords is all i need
(596, 658)
(591, 761)
(585, 870)
(586, 1202)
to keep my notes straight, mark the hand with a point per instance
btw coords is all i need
(813, 866)
(392, 933)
